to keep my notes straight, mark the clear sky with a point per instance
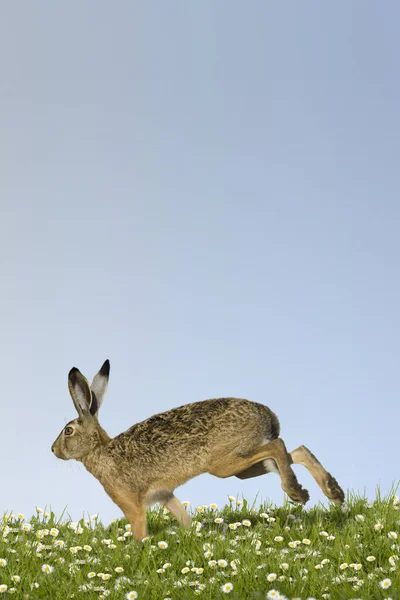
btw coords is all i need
(207, 194)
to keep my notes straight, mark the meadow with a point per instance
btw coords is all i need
(238, 551)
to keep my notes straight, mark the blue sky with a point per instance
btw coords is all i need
(207, 194)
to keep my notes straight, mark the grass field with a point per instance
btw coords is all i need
(238, 551)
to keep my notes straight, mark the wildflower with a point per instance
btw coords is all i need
(131, 595)
(212, 563)
(87, 548)
(306, 542)
(246, 523)
(284, 566)
(91, 575)
(222, 563)
(227, 588)
(385, 583)
(359, 518)
(186, 503)
(3, 588)
(185, 570)
(392, 535)
(378, 526)
(324, 533)
(371, 558)
(213, 506)
(231, 498)
(54, 532)
(21, 517)
(119, 569)
(331, 538)
(16, 578)
(257, 544)
(271, 577)
(273, 594)
(264, 515)
(3, 562)
(162, 545)
(218, 520)
(27, 527)
(39, 510)
(396, 500)
(47, 569)
(278, 538)
(232, 526)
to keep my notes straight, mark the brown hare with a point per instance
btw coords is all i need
(144, 465)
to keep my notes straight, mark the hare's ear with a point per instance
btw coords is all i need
(80, 391)
(99, 387)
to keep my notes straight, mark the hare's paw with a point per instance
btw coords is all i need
(297, 493)
(332, 490)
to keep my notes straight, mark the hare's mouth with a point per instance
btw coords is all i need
(57, 454)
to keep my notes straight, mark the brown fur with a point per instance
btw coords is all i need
(144, 465)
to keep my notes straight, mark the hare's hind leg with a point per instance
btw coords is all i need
(179, 512)
(274, 450)
(326, 482)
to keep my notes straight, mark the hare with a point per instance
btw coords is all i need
(144, 465)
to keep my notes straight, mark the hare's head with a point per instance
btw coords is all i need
(84, 433)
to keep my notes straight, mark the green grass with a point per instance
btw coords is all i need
(306, 561)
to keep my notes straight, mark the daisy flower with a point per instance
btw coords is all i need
(47, 569)
(385, 583)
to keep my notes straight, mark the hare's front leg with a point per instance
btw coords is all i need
(137, 518)
(134, 510)
(326, 482)
(180, 514)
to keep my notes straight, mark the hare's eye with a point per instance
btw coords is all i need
(68, 431)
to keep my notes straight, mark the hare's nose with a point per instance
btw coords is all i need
(52, 448)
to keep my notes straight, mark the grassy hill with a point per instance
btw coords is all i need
(240, 551)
